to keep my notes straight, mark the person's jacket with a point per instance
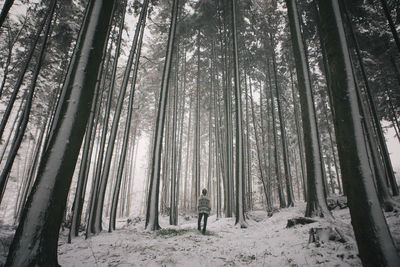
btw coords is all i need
(204, 205)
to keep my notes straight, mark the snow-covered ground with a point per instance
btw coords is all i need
(267, 242)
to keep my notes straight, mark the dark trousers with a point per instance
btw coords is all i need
(205, 221)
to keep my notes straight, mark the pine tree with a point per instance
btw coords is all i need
(41, 219)
(152, 202)
(316, 202)
(240, 166)
(374, 241)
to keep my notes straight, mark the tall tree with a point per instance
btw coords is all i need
(371, 104)
(286, 167)
(374, 240)
(240, 165)
(316, 202)
(39, 228)
(282, 202)
(21, 75)
(122, 159)
(299, 136)
(88, 147)
(264, 181)
(93, 210)
(248, 152)
(174, 189)
(114, 127)
(23, 120)
(196, 150)
(101, 145)
(153, 194)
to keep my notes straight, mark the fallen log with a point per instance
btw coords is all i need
(299, 220)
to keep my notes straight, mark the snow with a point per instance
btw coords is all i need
(267, 242)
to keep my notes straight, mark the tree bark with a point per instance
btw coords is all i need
(152, 202)
(196, 169)
(371, 104)
(286, 167)
(102, 144)
(21, 76)
(248, 151)
(90, 135)
(4, 11)
(316, 202)
(375, 244)
(40, 223)
(299, 136)
(240, 170)
(282, 202)
(96, 225)
(24, 119)
(260, 167)
(173, 218)
(125, 141)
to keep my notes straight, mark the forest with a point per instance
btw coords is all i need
(114, 115)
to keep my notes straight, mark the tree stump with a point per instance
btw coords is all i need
(299, 220)
(323, 235)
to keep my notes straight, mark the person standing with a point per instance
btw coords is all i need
(203, 208)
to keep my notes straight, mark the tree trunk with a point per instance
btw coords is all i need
(21, 76)
(185, 191)
(125, 141)
(90, 135)
(180, 181)
(282, 202)
(240, 165)
(102, 145)
(166, 159)
(316, 202)
(4, 11)
(328, 83)
(97, 225)
(371, 104)
(40, 223)
(299, 136)
(217, 143)
(288, 176)
(265, 163)
(173, 219)
(196, 169)
(248, 151)
(375, 244)
(152, 202)
(260, 167)
(23, 120)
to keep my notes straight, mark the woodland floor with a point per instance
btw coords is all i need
(266, 242)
